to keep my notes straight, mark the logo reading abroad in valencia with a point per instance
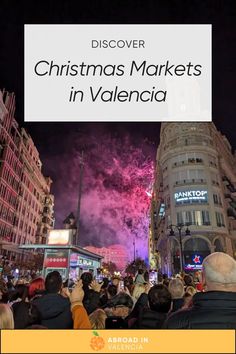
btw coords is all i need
(118, 343)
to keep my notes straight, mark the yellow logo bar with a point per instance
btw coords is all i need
(117, 341)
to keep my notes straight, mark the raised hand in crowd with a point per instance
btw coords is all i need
(77, 294)
(96, 286)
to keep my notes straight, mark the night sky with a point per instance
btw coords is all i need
(60, 144)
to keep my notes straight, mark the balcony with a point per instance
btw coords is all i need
(190, 182)
(229, 185)
(219, 224)
(228, 197)
(233, 193)
(189, 161)
(212, 164)
(231, 213)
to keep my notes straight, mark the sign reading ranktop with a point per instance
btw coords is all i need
(191, 196)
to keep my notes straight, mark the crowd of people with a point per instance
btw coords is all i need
(182, 301)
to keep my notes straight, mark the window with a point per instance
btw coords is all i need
(189, 176)
(220, 219)
(188, 217)
(217, 199)
(205, 217)
(194, 217)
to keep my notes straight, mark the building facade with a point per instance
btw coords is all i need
(115, 253)
(195, 192)
(26, 205)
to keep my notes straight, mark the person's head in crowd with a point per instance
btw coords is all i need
(21, 292)
(115, 281)
(178, 276)
(188, 280)
(159, 298)
(111, 291)
(129, 283)
(121, 305)
(197, 277)
(138, 290)
(140, 278)
(219, 272)
(176, 288)
(21, 280)
(6, 317)
(98, 319)
(87, 279)
(10, 286)
(3, 292)
(166, 282)
(190, 290)
(105, 283)
(33, 276)
(146, 276)
(53, 282)
(37, 286)
(130, 279)
(160, 278)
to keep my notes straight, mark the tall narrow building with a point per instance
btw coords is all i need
(195, 192)
(26, 205)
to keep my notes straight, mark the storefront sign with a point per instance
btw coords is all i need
(87, 262)
(77, 260)
(56, 259)
(189, 196)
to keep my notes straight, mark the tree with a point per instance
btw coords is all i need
(134, 266)
(110, 267)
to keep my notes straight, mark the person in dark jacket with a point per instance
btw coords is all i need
(216, 307)
(141, 303)
(25, 314)
(54, 308)
(159, 299)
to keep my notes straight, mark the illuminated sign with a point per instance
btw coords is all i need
(191, 196)
(76, 260)
(56, 259)
(193, 267)
(196, 262)
(87, 262)
(58, 237)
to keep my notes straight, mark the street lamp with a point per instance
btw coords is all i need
(179, 227)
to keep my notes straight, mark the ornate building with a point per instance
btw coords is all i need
(26, 205)
(195, 191)
(115, 253)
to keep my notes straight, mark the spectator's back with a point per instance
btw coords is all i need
(54, 308)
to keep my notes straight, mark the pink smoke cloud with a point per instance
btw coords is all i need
(116, 187)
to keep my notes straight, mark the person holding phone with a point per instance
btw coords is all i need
(92, 291)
